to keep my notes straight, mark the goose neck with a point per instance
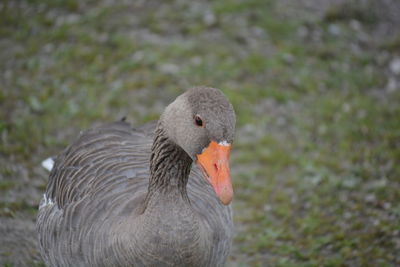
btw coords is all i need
(169, 167)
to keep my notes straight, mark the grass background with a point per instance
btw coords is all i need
(315, 85)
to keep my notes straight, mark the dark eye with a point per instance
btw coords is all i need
(198, 120)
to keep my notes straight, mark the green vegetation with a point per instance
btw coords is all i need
(316, 160)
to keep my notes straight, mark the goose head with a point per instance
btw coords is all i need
(202, 122)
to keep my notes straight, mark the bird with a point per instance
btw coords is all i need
(155, 195)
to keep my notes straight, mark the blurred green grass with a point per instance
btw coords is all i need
(316, 158)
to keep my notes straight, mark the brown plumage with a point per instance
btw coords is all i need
(120, 196)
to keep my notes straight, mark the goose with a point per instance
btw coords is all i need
(124, 196)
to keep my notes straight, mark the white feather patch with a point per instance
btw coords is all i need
(48, 164)
(46, 201)
(224, 143)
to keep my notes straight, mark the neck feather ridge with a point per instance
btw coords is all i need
(169, 166)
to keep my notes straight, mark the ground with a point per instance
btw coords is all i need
(315, 85)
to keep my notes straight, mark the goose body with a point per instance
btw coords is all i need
(123, 196)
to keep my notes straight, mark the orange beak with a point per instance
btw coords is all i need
(214, 161)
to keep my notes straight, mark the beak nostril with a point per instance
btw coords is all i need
(215, 167)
